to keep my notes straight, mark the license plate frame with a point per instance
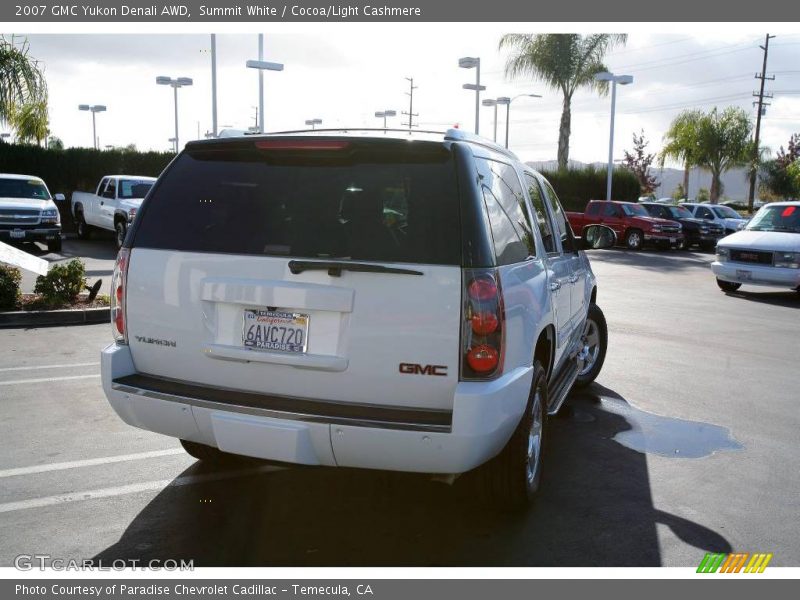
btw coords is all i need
(744, 275)
(17, 234)
(273, 331)
(673, 240)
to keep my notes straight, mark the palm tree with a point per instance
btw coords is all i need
(724, 142)
(21, 78)
(30, 121)
(565, 62)
(681, 143)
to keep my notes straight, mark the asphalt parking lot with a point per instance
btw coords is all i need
(687, 443)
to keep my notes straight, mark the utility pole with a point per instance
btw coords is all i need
(761, 104)
(411, 114)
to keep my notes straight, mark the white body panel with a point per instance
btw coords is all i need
(361, 327)
(755, 274)
(99, 210)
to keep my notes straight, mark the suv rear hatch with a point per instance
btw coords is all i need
(305, 267)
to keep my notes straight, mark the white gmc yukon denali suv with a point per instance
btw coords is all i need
(381, 300)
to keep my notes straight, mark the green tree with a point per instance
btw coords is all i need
(680, 143)
(564, 62)
(724, 142)
(776, 180)
(55, 143)
(30, 121)
(21, 77)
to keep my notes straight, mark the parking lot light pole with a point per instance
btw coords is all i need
(383, 114)
(262, 66)
(313, 122)
(470, 62)
(506, 101)
(490, 102)
(94, 109)
(175, 84)
(614, 79)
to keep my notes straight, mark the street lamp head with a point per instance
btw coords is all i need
(489, 102)
(625, 79)
(604, 76)
(83, 107)
(185, 81)
(469, 62)
(503, 100)
(99, 108)
(473, 87)
(264, 65)
(163, 80)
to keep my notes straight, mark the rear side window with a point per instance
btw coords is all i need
(508, 212)
(383, 202)
(542, 218)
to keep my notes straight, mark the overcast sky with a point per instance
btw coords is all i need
(343, 75)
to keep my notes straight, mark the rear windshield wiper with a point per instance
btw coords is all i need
(335, 268)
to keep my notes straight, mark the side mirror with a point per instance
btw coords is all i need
(60, 198)
(597, 237)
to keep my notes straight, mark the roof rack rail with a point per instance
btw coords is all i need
(349, 129)
(459, 135)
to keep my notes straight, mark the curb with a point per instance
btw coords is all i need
(41, 318)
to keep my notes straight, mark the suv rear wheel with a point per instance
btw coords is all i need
(593, 352)
(207, 454)
(512, 478)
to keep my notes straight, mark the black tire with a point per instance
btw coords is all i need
(595, 326)
(634, 239)
(728, 286)
(510, 480)
(207, 454)
(54, 245)
(81, 227)
(120, 229)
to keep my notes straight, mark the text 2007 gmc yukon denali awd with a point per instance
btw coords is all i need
(411, 302)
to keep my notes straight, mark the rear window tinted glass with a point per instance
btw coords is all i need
(373, 202)
(508, 213)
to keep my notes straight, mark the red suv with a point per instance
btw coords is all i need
(631, 222)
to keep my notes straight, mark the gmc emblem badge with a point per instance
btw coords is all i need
(415, 369)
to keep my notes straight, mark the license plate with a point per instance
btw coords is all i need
(744, 275)
(275, 331)
(17, 234)
(673, 240)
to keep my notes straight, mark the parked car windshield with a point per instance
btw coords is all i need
(388, 202)
(776, 218)
(134, 188)
(23, 188)
(678, 212)
(726, 212)
(635, 210)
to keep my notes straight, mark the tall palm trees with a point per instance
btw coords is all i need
(565, 62)
(715, 140)
(21, 80)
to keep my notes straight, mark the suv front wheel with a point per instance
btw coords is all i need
(512, 478)
(634, 239)
(594, 343)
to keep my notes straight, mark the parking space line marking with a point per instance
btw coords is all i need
(47, 379)
(88, 462)
(33, 367)
(135, 488)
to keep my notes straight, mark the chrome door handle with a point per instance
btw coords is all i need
(555, 285)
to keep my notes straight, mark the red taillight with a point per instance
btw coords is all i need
(300, 144)
(484, 323)
(119, 285)
(482, 288)
(482, 336)
(483, 358)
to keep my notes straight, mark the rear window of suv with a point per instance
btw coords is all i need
(373, 201)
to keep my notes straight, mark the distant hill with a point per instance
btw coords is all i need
(736, 185)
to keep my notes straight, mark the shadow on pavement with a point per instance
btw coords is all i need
(788, 298)
(655, 260)
(595, 509)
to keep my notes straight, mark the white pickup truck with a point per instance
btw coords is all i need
(112, 206)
